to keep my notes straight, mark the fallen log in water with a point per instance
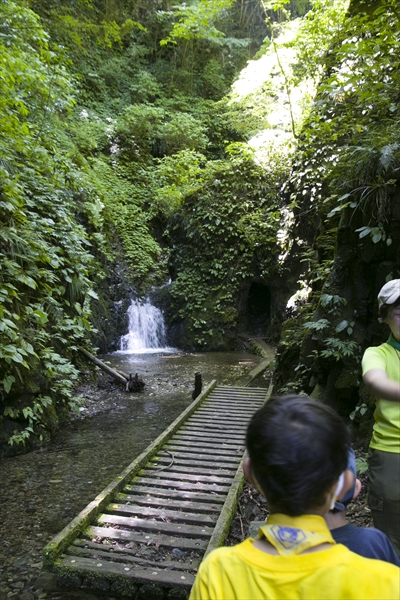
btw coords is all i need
(118, 376)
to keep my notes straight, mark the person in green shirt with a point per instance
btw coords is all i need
(381, 373)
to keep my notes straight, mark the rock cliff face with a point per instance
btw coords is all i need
(110, 311)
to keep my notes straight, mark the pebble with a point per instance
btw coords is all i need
(178, 553)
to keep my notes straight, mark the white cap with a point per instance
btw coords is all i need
(389, 293)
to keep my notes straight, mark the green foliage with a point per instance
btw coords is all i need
(45, 286)
(124, 214)
(145, 131)
(196, 21)
(177, 177)
(345, 175)
(360, 409)
(353, 127)
(225, 231)
(340, 349)
(319, 325)
(361, 465)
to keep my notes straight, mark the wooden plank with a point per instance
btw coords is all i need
(243, 396)
(237, 408)
(184, 477)
(245, 392)
(202, 448)
(241, 416)
(223, 468)
(155, 492)
(195, 469)
(232, 401)
(258, 369)
(211, 442)
(240, 423)
(226, 433)
(186, 485)
(187, 457)
(193, 433)
(215, 427)
(161, 513)
(255, 390)
(223, 415)
(199, 531)
(162, 503)
(167, 541)
(63, 539)
(114, 553)
(106, 569)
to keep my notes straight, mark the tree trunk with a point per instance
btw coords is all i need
(104, 367)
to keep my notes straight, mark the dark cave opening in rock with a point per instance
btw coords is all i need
(258, 309)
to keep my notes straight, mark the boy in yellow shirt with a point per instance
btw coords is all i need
(297, 458)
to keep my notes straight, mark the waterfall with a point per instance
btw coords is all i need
(146, 329)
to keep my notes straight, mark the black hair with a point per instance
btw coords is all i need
(383, 310)
(298, 448)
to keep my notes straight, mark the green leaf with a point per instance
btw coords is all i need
(7, 383)
(342, 325)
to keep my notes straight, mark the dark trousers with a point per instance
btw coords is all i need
(384, 493)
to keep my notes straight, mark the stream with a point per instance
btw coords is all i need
(42, 491)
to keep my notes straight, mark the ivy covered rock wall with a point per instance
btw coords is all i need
(346, 187)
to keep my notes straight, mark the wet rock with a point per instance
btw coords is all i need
(46, 582)
(148, 551)
(20, 563)
(26, 596)
(17, 585)
(178, 553)
(254, 526)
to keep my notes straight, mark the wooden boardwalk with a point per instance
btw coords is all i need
(169, 508)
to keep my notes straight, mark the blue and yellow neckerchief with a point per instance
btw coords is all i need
(393, 342)
(293, 535)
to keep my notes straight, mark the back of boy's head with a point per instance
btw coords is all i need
(298, 449)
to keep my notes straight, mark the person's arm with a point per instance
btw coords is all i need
(380, 386)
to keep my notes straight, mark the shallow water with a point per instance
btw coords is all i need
(42, 491)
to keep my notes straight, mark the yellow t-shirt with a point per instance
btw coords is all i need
(386, 432)
(243, 572)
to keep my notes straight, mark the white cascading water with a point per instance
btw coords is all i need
(146, 329)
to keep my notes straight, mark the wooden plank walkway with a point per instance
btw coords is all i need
(169, 508)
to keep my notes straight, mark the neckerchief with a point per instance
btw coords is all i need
(293, 535)
(393, 342)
